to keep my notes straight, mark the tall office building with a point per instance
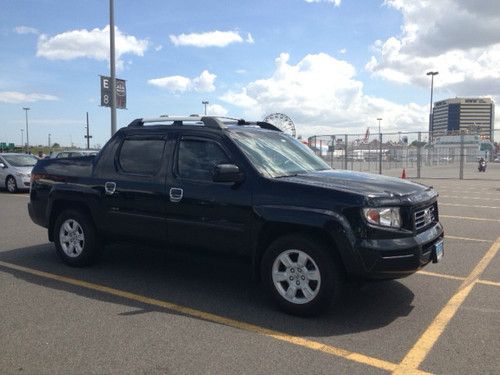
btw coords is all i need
(464, 115)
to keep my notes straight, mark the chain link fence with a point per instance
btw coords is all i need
(417, 154)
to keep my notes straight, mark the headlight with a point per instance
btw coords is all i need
(23, 174)
(385, 216)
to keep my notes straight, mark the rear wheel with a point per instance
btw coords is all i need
(76, 239)
(11, 184)
(301, 275)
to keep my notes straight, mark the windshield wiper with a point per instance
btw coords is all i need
(287, 175)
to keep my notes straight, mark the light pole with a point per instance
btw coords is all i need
(112, 64)
(26, 109)
(432, 74)
(22, 138)
(380, 147)
(49, 140)
(205, 103)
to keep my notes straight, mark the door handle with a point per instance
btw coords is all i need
(109, 188)
(176, 194)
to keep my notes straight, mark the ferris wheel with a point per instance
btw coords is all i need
(281, 121)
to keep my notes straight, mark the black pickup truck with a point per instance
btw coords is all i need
(244, 188)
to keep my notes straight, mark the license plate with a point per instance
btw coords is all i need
(438, 251)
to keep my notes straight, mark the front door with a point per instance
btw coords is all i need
(203, 213)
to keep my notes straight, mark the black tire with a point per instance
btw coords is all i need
(11, 181)
(331, 278)
(90, 247)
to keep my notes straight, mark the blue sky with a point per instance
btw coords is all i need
(332, 66)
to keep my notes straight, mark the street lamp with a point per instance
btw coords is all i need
(205, 103)
(26, 109)
(49, 140)
(380, 147)
(432, 74)
(22, 138)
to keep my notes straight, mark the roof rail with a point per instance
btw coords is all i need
(214, 122)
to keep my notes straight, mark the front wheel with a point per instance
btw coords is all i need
(11, 184)
(76, 239)
(301, 275)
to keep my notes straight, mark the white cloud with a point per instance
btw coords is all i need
(459, 38)
(19, 97)
(210, 39)
(321, 94)
(203, 83)
(250, 39)
(92, 44)
(25, 30)
(216, 110)
(241, 71)
(158, 48)
(342, 51)
(335, 2)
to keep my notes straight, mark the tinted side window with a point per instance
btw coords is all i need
(197, 158)
(141, 156)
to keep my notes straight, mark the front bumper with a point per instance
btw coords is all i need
(23, 183)
(399, 257)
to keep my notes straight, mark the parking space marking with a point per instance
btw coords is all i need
(459, 278)
(483, 192)
(468, 218)
(188, 311)
(466, 239)
(422, 347)
(488, 282)
(475, 198)
(441, 275)
(466, 205)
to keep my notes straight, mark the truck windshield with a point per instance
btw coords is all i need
(277, 155)
(21, 160)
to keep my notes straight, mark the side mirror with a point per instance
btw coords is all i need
(227, 173)
(2, 165)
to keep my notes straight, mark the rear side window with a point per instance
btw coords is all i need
(197, 159)
(141, 156)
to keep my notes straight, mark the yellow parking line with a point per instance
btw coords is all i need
(419, 351)
(466, 238)
(488, 282)
(310, 344)
(468, 218)
(441, 275)
(474, 198)
(465, 205)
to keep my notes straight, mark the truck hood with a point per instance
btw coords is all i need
(376, 188)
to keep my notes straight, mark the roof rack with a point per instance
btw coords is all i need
(214, 122)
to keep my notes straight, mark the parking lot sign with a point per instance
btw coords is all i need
(121, 92)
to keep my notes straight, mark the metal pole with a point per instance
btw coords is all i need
(112, 64)
(205, 102)
(432, 74)
(26, 109)
(88, 136)
(49, 140)
(462, 156)
(22, 138)
(380, 153)
(419, 154)
(346, 138)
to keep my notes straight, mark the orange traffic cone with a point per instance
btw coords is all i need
(403, 175)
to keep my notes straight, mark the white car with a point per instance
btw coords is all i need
(15, 171)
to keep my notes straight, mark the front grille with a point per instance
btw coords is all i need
(425, 217)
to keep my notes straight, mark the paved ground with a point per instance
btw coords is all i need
(142, 311)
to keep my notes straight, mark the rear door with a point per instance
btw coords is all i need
(134, 194)
(203, 213)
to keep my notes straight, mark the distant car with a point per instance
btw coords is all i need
(496, 160)
(15, 171)
(71, 153)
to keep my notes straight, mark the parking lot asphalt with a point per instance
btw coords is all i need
(142, 310)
